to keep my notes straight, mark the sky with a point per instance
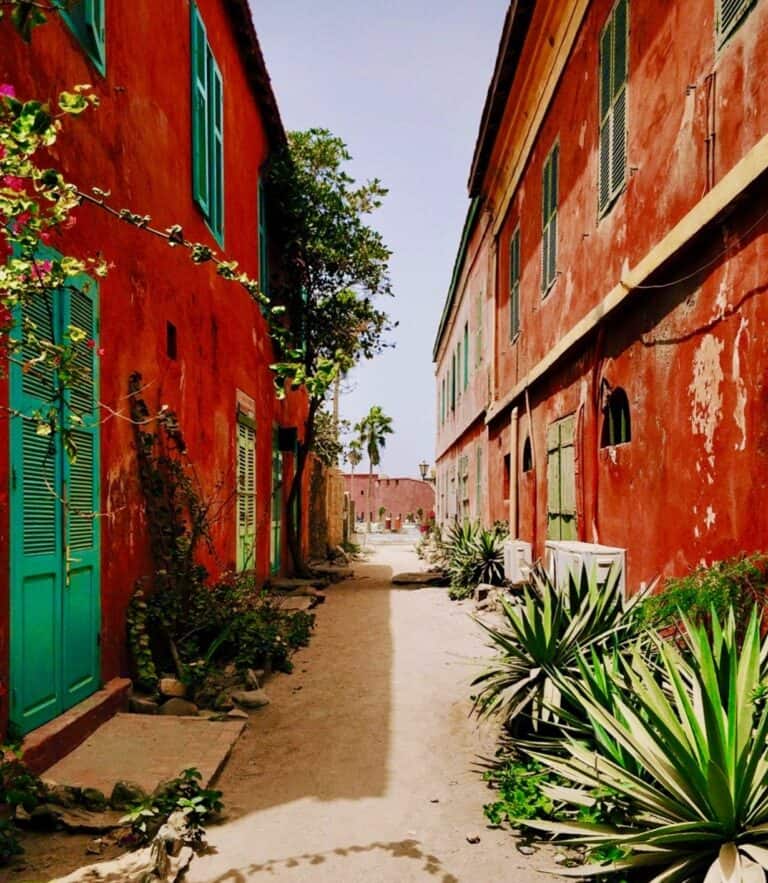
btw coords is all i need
(403, 83)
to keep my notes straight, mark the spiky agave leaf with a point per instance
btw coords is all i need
(700, 800)
(540, 643)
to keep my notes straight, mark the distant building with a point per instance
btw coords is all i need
(401, 497)
(600, 360)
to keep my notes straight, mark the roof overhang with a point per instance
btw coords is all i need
(513, 36)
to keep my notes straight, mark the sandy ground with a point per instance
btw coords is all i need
(361, 769)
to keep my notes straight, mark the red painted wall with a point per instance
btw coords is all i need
(399, 496)
(689, 353)
(137, 145)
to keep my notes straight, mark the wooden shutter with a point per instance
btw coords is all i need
(466, 355)
(614, 46)
(246, 495)
(216, 131)
(201, 188)
(514, 284)
(729, 14)
(94, 20)
(263, 252)
(549, 216)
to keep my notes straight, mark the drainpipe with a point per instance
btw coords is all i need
(535, 474)
(513, 433)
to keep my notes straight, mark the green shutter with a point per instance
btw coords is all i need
(277, 504)
(549, 215)
(86, 20)
(614, 63)
(246, 495)
(216, 130)
(200, 114)
(466, 355)
(207, 129)
(514, 284)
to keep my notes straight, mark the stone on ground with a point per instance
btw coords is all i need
(251, 698)
(420, 578)
(172, 687)
(179, 708)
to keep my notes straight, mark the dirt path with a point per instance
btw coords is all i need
(360, 769)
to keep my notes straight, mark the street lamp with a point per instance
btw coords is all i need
(423, 469)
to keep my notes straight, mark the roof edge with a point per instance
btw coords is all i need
(256, 67)
(513, 36)
(469, 224)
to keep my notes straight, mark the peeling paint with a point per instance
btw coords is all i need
(739, 412)
(705, 392)
(710, 518)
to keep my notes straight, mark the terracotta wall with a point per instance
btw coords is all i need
(398, 496)
(137, 145)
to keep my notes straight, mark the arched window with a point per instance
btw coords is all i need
(527, 455)
(617, 424)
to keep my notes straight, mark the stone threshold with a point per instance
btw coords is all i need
(47, 745)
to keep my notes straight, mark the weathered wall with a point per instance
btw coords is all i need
(687, 349)
(398, 496)
(334, 506)
(137, 145)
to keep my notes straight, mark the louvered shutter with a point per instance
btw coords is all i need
(200, 114)
(216, 174)
(94, 20)
(553, 482)
(82, 503)
(729, 14)
(514, 284)
(277, 504)
(246, 496)
(613, 105)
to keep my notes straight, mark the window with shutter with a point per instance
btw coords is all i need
(514, 284)
(561, 480)
(85, 19)
(207, 130)
(246, 494)
(549, 219)
(263, 252)
(612, 165)
(730, 14)
(459, 384)
(466, 355)
(277, 504)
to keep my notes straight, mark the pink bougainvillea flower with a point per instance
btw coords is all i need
(90, 343)
(44, 266)
(20, 221)
(2, 152)
(13, 182)
(7, 90)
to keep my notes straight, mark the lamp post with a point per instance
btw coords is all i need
(423, 469)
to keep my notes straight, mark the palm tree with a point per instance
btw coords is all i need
(354, 456)
(372, 432)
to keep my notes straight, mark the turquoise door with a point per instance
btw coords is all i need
(55, 547)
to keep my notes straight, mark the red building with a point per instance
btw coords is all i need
(187, 119)
(398, 497)
(600, 361)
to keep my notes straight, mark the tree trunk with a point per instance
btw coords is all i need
(370, 490)
(295, 530)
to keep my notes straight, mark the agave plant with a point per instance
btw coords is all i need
(474, 556)
(697, 735)
(540, 644)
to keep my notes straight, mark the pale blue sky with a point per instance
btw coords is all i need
(403, 83)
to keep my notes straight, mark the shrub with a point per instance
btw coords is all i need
(183, 794)
(739, 584)
(696, 729)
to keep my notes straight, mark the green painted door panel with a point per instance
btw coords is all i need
(55, 550)
(561, 480)
(277, 504)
